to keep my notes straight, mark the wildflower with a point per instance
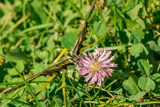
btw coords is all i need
(96, 66)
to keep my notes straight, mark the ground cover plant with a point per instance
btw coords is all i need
(36, 34)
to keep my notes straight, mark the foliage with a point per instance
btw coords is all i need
(34, 35)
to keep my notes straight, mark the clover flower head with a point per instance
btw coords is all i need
(96, 66)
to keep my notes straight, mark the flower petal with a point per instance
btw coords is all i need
(83, 72)
(86, 57)
(94, 79)
(111, 65)
(88, 64)
(109, 72)
(90, 55)
(88, 77)
(97, 50)
(109, 60)
(102, 55)
(101, 71)
(106, 56)
(99, 80)
(96, 53)
(102, 65)
(84, 62)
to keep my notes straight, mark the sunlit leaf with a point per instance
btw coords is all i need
(100, 28)
(19, 65)
(146, 84)
(156, 77)
(144, 67)
(42, 54)
(131, 85)
(17, 55)
(136, 36)
(41, 14)
(154, 47)
(136, 49)
(158, 41)
(133, 13)
(137, 96)
(68, 40)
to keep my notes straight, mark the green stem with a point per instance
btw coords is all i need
(76, 91)
(27, 85)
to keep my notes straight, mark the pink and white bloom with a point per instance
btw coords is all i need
(96, 66)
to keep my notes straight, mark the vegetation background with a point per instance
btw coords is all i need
(35, 34)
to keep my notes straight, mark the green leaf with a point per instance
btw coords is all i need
(146, 84)
(141, 23)
(133, 13)
(144, 67)
(118, 91)
(70, 18)
(55, 5)
(145, 50)
(27, 44)
(131, 85)
(136, 49)
(76, 9)
(17, 55)
(156, 92)
(37, 27)
(68, 40)
(37, 9)
(100, 28)
(136, 36)
(130, 5)
(19, 65)
(158, 41)
(154, 46)
(78, 94)
(39, 67)
(8, 78)
(42, 54)
(137, 96)
(156, 77)
(50, 44)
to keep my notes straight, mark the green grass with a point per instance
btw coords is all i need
(33, 33)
